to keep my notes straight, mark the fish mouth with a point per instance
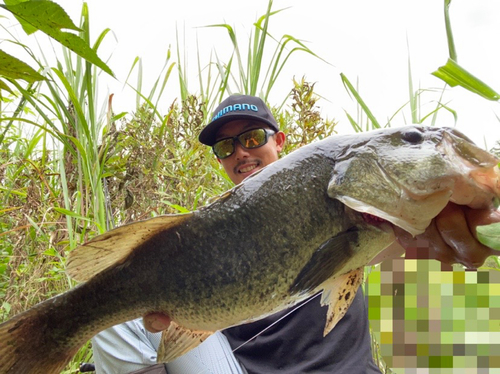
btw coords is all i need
(479, 189)
(373, 220)
(479, 184)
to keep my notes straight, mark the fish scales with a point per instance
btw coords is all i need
(260, 267)
(289, 231)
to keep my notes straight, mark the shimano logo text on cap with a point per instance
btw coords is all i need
(235, 108)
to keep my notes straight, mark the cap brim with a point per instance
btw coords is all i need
(208, 134)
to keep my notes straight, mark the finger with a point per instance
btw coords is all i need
(453, 227)
(428, 245)
(438, 248)
(156, 322)
(480, 217)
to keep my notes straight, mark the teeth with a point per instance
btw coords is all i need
(247, 169)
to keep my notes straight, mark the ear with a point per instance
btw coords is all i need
(280, 140)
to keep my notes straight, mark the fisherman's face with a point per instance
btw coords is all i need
(244, 162)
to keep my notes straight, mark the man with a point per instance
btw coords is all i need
(294, 343)
(245, 137)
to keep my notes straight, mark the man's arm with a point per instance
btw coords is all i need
(124, 348)
(128, 347)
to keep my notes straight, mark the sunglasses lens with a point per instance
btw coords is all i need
(249, 139)
(224, 148)
(253, 138)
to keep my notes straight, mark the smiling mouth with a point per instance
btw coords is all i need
(247, 169)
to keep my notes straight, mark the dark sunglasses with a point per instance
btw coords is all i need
(249, 139)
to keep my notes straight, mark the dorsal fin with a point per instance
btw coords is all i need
(176, 340)
(114, 246)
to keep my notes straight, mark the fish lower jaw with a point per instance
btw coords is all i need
(381, 219)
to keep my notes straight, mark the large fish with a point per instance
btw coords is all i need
(305, 223)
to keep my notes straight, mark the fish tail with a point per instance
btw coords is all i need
(26, 347)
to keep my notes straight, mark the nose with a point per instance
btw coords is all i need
(239, 151)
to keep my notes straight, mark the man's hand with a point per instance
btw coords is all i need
(451, 237)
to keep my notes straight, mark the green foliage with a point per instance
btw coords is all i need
(449, 34)
(247, 78)
(16, 69)
(454, 74)
(156, 92)
(304, 123)
(359, 124)
(42, 15)
(51, 171)
(350, 88)
(156, 165)
(489, 235)
(51, 19)
(451, 73)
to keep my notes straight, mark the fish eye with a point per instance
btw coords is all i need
(412, 136)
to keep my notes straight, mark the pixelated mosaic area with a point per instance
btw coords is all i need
(430, 318)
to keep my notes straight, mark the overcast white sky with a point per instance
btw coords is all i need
(367, 40)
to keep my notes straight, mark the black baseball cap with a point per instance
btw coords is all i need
(237, 107)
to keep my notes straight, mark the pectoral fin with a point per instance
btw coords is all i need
(114, 246)
(176, 341)
(326, 260)
(338, 294)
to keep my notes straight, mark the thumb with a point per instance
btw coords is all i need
(156, 322)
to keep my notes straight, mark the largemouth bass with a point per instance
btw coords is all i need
(305, 223)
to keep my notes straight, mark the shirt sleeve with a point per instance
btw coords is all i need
(124, 348)
(213, 356)
(129, 346)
